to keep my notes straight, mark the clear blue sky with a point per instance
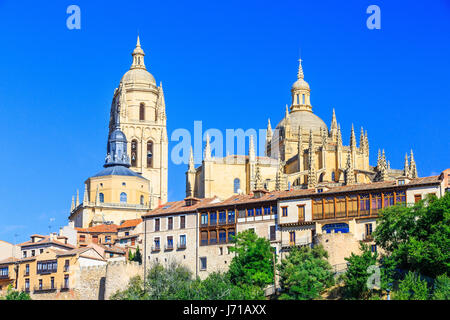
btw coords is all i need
(228, 63)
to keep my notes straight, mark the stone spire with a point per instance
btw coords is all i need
(349, 171)
(86, 195)
(138, 57)
(251, 150)
(191, 167)
(334, 127)
(286, 115)
(312, 179)
(406, 166)
(207, 152)
(77, 201)
(324, 136)
(379, 159)
(269, 139)
(366, 143)
(383, 168)
(300, 74)
(72, 206)
(160, 104)
(362, 141)
(339, 136)
(412, 167)
(352, 139)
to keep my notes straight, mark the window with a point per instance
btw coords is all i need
(258, 211)
(213, 237)
(373, 248)
(134, 153)
(204, 219)
(236, 185)
(4, 272)
(127, 233)
(401, 182)
(157, 224)
(340, 207)
(133, 241)
(95, 239)
(364, 205)
(27, 284)
(40, 284)
(33, 253)
(182, 222)
(250, 212)
(204, 238)
(213, 218)
(317, 209)
(301, 212)
(142, 200)
(107, 238)
(333, 176)
(142, 112)
(292, 238)
(182, 241)
(47, 267)
(376, 202)
(27, 269)
(66, 265)
(388, 199)
(169, 242)
(231, 234)
(417, 198)
(231, 216)
(284, 211)
(149, 154)
(401, 198)
(52, 282)
(202, 263)
(272, 234)
(222, 217)
(41, 250)
(170, 223)
(274, 209)
(66, 281)
(156, 244)
(220, 251)
(368, 227)
(303, 98)
(123, 197)
(329, 208)
(222, 236)
(266, 211)
(101, 197)
(24, 254)
(352, 204)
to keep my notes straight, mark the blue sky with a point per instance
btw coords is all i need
(230, 64)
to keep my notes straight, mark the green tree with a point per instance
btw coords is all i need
(252, 266)
(137, 256)
(305, 273)
(130, 255)
(441, 288)
(418, 236)
(134, 291)
(12, 294)
(358, 272)
(412, 287)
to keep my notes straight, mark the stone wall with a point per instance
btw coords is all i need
(339, 246)
(118, 275)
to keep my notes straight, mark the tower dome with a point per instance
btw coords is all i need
(138, 74)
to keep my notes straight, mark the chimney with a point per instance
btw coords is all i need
(190, 201)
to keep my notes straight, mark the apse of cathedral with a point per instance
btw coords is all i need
(301, 153)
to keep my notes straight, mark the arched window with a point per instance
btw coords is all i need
(134, 153)
(149, 154)
(303, 99)
(266, 184)
(237, 185)
(333, 177)
(321, 177)
(123, 197)
(142, 111)
(142, 200)
(101, 197)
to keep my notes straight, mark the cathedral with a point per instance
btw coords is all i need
(134, 178)
(301, 153)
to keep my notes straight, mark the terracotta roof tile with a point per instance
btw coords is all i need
(177, 207)
(130, 223)
(101, 228)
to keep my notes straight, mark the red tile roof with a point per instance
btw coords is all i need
(177, 207)
(101, 228)
(130, 223)
(45, 240)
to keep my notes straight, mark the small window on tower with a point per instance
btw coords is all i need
(142, 112)
(101, 197)
(303, 99)
(134, 153)
(149, 154)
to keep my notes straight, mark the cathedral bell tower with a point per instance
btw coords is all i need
(142, 119)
